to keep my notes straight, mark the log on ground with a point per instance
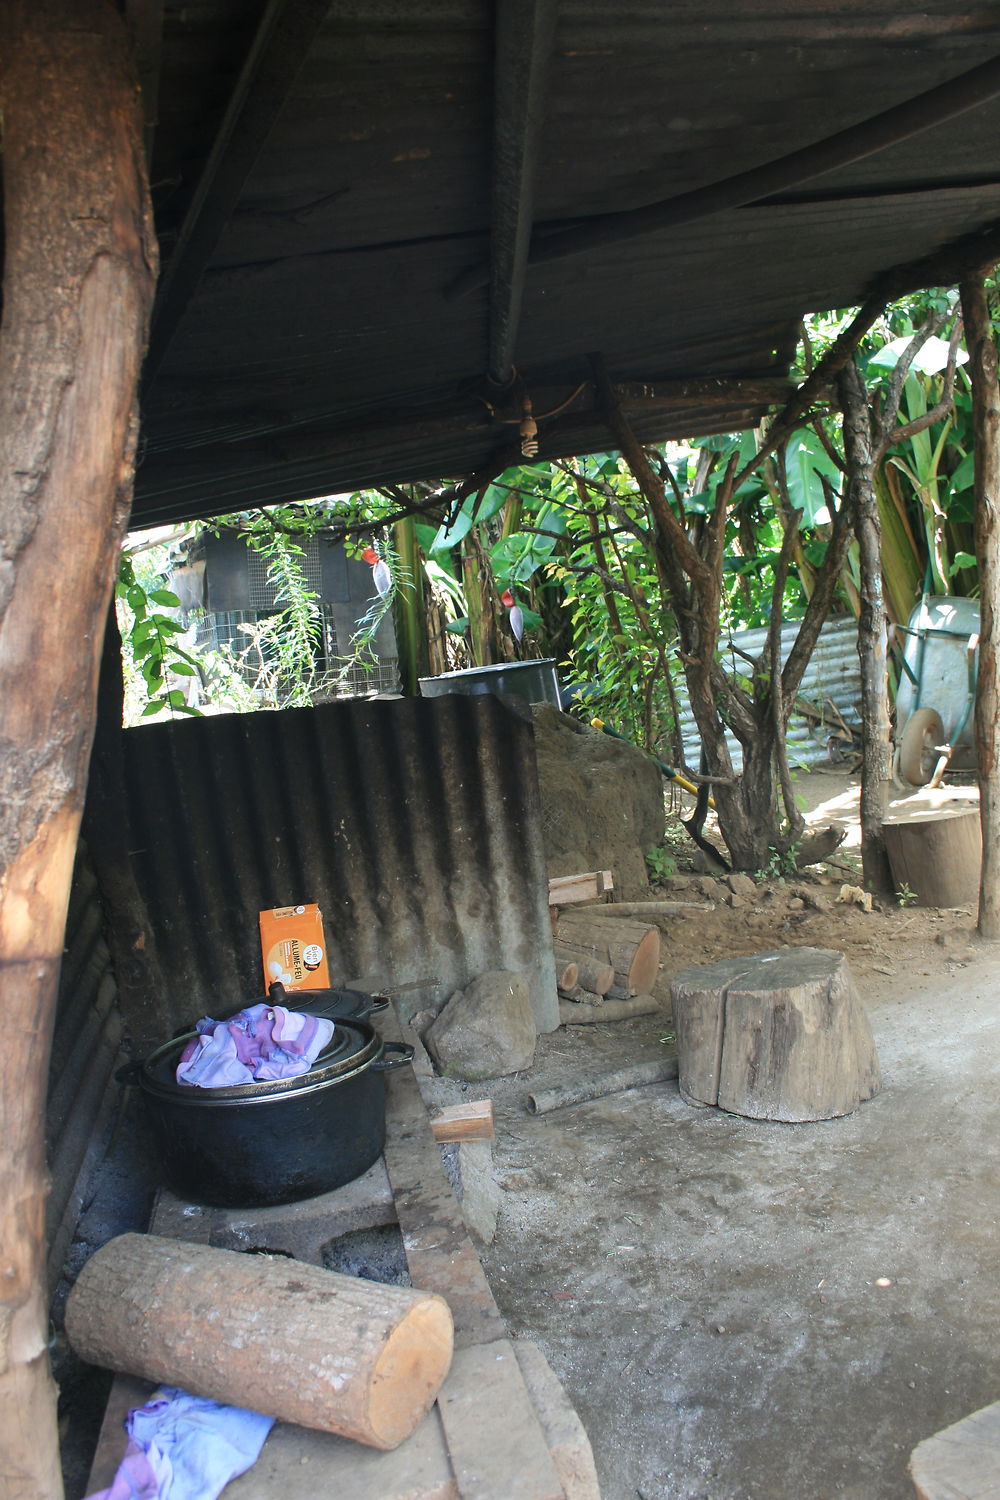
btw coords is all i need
(774, 1036)
(598, 1085)
(577, 1012)
(330, 1352)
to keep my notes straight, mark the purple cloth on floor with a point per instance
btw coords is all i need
(262, 1043)
(183, 1447)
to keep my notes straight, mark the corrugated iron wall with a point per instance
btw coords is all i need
(834, 672)
(84, 1051)
(414, 823)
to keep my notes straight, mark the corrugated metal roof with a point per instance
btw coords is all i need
(832, 676)
(322, 350)
(414, 823)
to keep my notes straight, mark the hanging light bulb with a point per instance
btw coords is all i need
(528, 429)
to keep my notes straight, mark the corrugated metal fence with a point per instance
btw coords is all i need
(84, 1051)
(833, 674)
(414, 823)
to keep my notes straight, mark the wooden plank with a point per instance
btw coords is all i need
(439, 1252)
(566, 889)
(464, 1122)
(495, 1441)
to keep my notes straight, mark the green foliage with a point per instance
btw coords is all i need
(660, 863)
(151, 639)
(782, 864)
(905, 896)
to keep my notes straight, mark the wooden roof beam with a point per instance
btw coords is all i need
(524, 33)
(145, 25)
(279, 48)
(878, 133)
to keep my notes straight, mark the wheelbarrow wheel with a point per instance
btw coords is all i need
(919, 749)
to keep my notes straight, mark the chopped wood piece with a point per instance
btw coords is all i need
(464, 1122)
(597, 1085)
(574, 1013)
(579, 996)
(567, 976)
(774, 1036)
(631, 948)
(593, 974)
(565, 889)
(331, 1352)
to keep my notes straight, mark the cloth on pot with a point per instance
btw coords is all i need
(184, 1447)
(262, 1043)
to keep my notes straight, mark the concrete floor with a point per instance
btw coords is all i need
(711, 1291)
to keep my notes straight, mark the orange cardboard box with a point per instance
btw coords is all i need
(293, 948)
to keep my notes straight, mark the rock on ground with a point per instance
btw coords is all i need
(486, 1030)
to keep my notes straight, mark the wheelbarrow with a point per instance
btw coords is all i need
(937, 691)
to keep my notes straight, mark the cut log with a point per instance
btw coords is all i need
(774, 1036)
(592, 973)
(936, 853)
(598, 1085)
(334, 1353)
(577, 1013)
(631, 948)
(567, 976)
(579, 996)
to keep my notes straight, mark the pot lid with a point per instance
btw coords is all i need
(353, 1045)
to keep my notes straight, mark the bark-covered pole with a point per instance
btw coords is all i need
(79, 271)
(876, 767)
(982, 370)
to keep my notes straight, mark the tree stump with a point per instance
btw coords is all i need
(334, 1353)
(936, 853)
(774, 1036)
(632, 949)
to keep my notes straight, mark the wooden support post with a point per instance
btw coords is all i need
(79, 268)
(986, 490)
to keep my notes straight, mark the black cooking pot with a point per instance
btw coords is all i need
(328, 1003)
(256, 1144)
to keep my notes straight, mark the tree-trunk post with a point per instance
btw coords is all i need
(876, 766)
(982, 371)
(78, 279)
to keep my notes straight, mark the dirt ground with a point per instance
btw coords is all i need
(753, 1311)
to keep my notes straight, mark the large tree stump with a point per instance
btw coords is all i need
(774, 1036)
(962, 1460)
(632, 949)
(334, 1353)
(936, 853)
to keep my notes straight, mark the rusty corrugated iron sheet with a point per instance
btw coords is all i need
(833, 674)
(85, 1048)
(415, 824)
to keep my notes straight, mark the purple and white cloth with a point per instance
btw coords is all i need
(262, 1043)
(183, 1447)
